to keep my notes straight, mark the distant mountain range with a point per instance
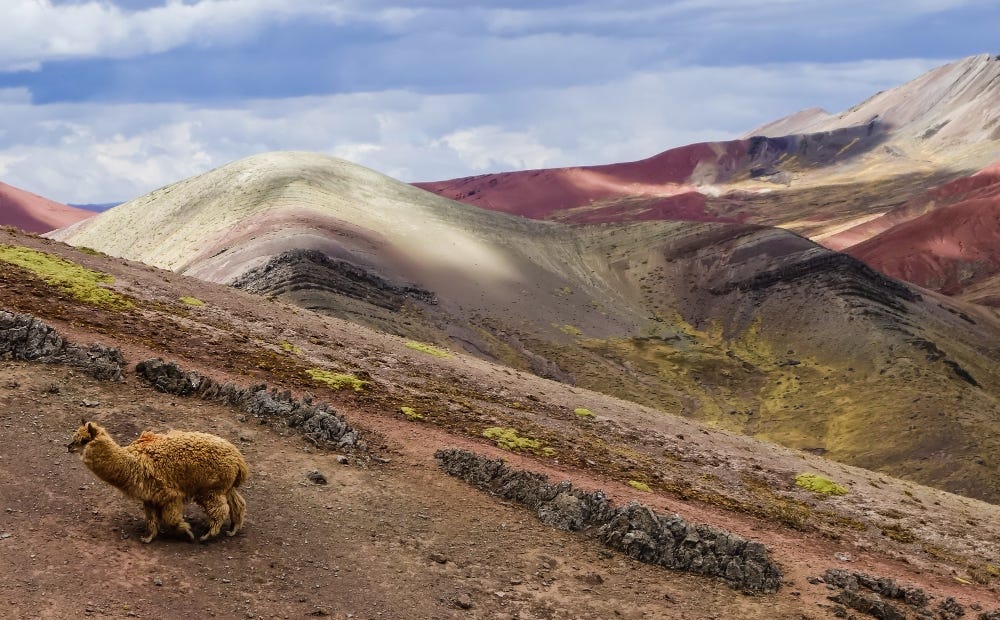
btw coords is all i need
(98, 207)
(838, 179)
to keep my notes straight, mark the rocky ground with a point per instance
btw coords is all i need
(390, 535)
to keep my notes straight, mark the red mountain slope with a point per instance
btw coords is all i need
(660, 187)
(32, 213)
(947, 240)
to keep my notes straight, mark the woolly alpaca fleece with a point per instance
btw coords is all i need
(165, 471)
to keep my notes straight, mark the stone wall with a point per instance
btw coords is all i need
(317, 422)
(636, 530)
(26, 338)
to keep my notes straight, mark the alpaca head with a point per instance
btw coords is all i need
(84, 435)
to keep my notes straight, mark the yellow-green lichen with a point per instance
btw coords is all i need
(192, 301)
(290, 348)
(583, 413)
(76, 280)
(411, 413)
(336, 380)
(508, 439)
(429, 349)
(570, 330)
(819, 484)
(640, 486)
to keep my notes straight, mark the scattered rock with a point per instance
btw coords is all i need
(342, 459)
(437, 557)
(90, 404)
(316, 477)
(592, 579)
(843, 557)
(462, 601)
(950, 609)
(157, 581)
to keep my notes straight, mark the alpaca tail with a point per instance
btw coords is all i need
(242, 473)
(237, 505)
(237, 508)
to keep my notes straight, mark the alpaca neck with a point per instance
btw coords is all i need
(109, 461)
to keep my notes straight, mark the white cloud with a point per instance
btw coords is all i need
(36, 31)
(91, 152)
(487, 147)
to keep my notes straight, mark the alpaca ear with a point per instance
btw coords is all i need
(91, 429)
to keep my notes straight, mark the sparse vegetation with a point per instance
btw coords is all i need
(411, 413)
(819, 484)
(429, 349)
(898, 533)
(508, 439)
(79, 282)
(290, 348)
(570, 330)
(192, 301)
(583, 413)
(336, 380)
(640, 486)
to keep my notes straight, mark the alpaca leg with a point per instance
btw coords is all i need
(217, 510)
(173, 517)
(237, 508)
(152, 521)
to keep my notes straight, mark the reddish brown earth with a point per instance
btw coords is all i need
(660, 187)
(946, 240)
(32, 213)
(393, 537)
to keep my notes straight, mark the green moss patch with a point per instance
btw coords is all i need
(192, 301)
(508, 439)
(411, 413)
(336, 380)
(429, 349)
(290, 348)
(76, 280)
(640, 486)
(583, 413)
(819, 484)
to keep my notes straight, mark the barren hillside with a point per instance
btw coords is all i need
(390, 534)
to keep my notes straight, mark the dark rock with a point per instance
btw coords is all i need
(24, 337)
(317, 422)
(636, 530)
(883, 586)
(298, 270)
(868, 603)
(316, 477)
(950, 609)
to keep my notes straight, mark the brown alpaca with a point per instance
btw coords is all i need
(166, 471)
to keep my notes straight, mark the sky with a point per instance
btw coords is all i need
(105, 100)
